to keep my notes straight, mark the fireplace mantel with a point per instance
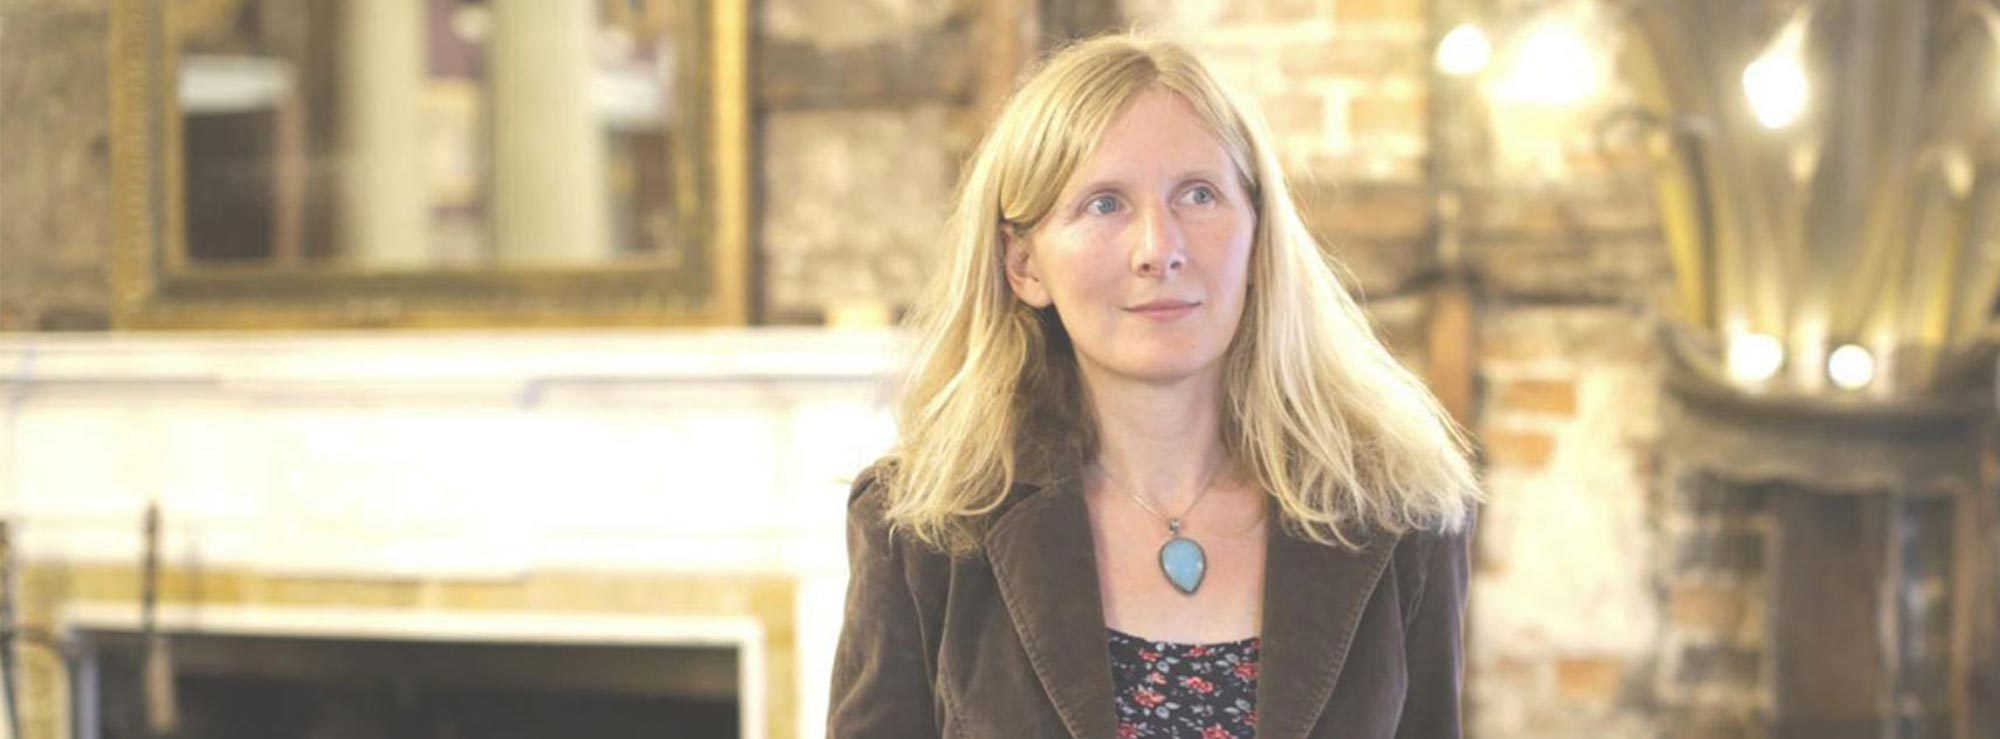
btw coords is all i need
(615, 471)
(442, 454)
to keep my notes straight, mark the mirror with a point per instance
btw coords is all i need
(371, 163)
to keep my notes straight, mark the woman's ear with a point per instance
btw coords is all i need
(1022, 273)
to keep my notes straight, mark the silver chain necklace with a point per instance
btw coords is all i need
(1182, 559)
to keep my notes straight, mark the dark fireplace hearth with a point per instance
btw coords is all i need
(1835, 568)
(285, 687)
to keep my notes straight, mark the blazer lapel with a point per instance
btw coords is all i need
(1313, 597)
(1046, 566)
(1043, 558)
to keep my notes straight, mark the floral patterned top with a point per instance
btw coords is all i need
(1184, 691)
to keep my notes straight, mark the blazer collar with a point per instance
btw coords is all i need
(1042, 556)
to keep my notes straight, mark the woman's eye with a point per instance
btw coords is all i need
(1202, 195)
(1101, 205)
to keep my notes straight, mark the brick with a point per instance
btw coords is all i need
(1380, 272)
(1499, 346)
(1568, 333)
(95, 317)
(1381, 114)
(835, 25)
(1539, 396)
(822, 161)
(1708, 609)
(1489, 566)
(1388, 213)
(1516, 668)
(1593, 680)
(1581, 268)
(1706, 496)
(1409, 12)
(1500, 214)
(1383, 266)
(1367, 60)
(1269, 11)
(1371, 166)
(1727, 551)
(1719, 665)
(1614, 160)
(1513, 448)
(54, 261)
(1296, 115)
(1577, 210)
(1687, 724)
(801, 75)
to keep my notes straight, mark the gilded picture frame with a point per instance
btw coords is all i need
(154, 287)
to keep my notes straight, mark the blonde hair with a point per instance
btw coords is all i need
(1318, 412)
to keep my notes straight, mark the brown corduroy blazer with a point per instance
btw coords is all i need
(1010, 642)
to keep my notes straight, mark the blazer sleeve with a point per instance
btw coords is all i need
(1434, 640)
(881, 675)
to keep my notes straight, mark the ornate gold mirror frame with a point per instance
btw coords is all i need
(155, 287)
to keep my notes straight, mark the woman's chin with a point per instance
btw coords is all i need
(1166, 370)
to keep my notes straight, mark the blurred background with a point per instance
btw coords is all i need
(495, 368)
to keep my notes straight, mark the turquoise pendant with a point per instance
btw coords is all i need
(1182, 560)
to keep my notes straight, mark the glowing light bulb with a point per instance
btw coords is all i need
(1754, 358)
(1851, 367)
(1776, 85)
(1464, 51)
(1775, 82)
(1554, 65)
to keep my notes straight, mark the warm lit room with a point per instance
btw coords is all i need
(1100, 369)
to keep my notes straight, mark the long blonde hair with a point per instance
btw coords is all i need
(1318, 412)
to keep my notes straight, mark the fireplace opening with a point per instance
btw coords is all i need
(325, 687)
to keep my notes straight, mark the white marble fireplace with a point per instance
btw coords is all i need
(567, 480)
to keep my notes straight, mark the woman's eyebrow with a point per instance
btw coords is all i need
(1204, 173)
(1096, 185)
(1113, 183)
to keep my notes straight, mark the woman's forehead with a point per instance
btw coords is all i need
(1158, 136)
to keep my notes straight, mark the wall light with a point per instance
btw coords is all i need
(1754, 358)
(1464, 51)
(1777, 90)
(1851, 367)
(1776, 80)
(1553, 64)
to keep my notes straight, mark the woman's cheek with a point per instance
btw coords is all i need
(1103, 233)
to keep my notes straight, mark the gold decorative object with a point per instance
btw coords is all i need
(1829, 184)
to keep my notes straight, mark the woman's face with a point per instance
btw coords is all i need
(1145, 253)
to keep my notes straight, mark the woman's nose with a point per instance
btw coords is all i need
(1161, 250)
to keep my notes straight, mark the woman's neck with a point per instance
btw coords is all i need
(1159, 441)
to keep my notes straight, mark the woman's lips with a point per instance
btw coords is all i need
(1164, 310)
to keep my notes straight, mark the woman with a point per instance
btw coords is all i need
(1156, 474)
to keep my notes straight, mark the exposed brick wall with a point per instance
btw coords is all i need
(1342, 88)
(1565, 612)
(1559, 234)
(864, 113)
(1341, 85)
(54, 167)
(1709, 680)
